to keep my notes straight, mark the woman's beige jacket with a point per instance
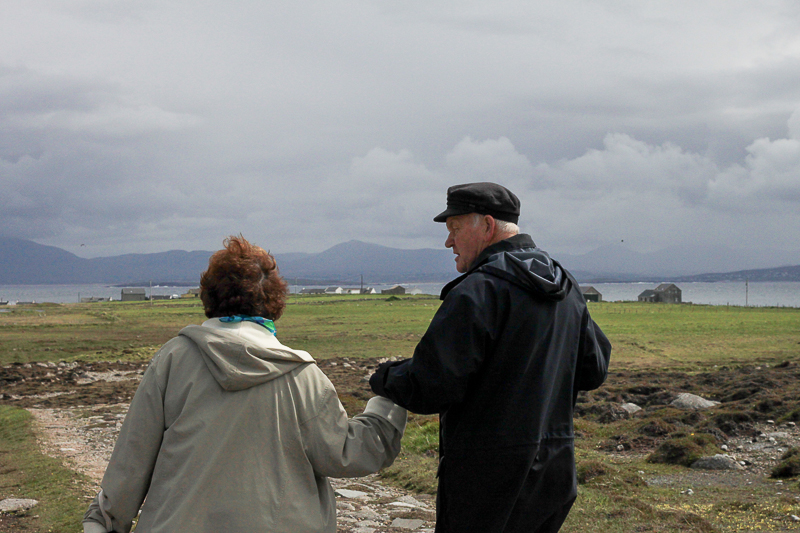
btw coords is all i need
(230, 430)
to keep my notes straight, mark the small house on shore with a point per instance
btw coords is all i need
(590, 294)
(669, 293)
(397, 289)
(359, 290)
(136, 294)
(665, 293)
(312, 291)
(648, 296)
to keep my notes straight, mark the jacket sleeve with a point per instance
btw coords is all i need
(127, 477)
(340, 447)
(594, 354)
(447, 358)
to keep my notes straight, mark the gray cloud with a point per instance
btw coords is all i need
(146, 126)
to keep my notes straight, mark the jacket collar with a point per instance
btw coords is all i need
(517, 242)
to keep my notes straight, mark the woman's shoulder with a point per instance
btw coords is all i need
(178, 346)
(310, 375)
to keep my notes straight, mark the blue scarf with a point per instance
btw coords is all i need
(267, 323)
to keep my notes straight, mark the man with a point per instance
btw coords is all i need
(502, 363)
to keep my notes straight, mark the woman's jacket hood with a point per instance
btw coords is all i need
(237, 355)
(518, 261)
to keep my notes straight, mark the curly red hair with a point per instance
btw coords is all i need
(242, 279)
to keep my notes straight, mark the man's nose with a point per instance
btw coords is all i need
(448, 243)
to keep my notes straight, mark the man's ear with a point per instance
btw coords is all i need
(489, 227)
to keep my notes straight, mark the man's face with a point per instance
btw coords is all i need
(466, 240)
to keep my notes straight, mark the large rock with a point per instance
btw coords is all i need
(10, 505)
(631, 408)
(406, 523)
(692, 401)
(347, 493)
(717, 462)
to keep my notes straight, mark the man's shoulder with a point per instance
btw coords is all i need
(471, 283)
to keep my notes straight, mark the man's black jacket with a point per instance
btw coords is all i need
(502, 362)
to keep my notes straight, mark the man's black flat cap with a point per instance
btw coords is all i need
(482, 198)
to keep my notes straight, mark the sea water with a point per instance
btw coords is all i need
(757, 294)
(754, 294)
(74, 293)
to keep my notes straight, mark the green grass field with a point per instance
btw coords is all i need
(654, 336)
(645, 337)
(695, 337)
(335, 326)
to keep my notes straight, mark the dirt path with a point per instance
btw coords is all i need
(85, 442)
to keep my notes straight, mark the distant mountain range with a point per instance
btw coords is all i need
(28, 263)
(788, 273)
(350, 260)
(617, 263)
(25, 262)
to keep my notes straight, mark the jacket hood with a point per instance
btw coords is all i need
(519, 261)
(241, 355)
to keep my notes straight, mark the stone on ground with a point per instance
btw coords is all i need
(10, 505)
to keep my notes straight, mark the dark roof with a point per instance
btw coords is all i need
(589, 290)
(649, 293)
(666, 286)
(312, 291)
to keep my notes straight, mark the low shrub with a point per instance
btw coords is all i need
(733, 422)
(657, 427)
(789, 465)
(684, 449)
(588, 470)
(791, 416)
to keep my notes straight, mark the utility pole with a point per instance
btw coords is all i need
(746, 292)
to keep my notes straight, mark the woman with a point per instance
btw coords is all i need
(230, 430)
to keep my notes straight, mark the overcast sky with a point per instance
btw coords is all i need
(144, 126)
